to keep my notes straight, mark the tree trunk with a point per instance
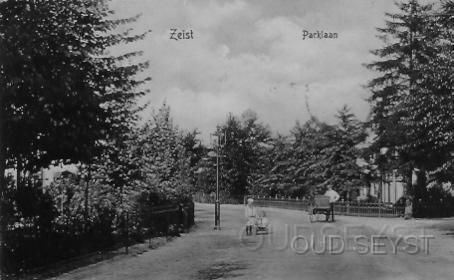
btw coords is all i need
(411, 80)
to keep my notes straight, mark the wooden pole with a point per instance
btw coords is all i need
(87, 185)
(127, 233)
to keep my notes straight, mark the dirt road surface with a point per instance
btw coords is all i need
(383, 249)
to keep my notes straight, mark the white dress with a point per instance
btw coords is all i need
(250, 213)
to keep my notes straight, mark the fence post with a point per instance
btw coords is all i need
(181, 217)
(379, 209)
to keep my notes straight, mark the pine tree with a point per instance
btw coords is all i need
(407, 49)
(430, 119)
(339, 158)
(194, 152)
(308, 169)
(236, 156)
(276, 177)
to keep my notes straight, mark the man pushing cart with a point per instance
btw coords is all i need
(324, 204)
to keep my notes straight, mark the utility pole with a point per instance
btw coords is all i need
(217, 205)
(395, 185)
(380, 190)
(86, 192)
(389, 190)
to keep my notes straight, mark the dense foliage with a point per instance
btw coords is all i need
(412, 97)
(63, 93)
(66, 99)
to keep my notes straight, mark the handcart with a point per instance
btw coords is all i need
(320, 205)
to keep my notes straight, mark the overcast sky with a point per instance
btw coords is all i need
(250, 54)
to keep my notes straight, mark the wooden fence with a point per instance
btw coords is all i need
(35, 253)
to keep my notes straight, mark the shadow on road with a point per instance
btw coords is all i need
(221, 270)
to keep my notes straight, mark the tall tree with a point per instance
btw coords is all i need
(310, 140)
(194, 152)
(243, 141)
(62, 94)
(339, 158)
(276, 177)
(236, 156)
(407, 49)
(430, 119)
(165, 166)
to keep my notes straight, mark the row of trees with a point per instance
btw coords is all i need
(314, 155)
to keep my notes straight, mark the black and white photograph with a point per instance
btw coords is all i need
(226, 139)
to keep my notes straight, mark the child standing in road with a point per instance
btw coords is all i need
(250, 213)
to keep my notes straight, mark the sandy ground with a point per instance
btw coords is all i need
(386, 249)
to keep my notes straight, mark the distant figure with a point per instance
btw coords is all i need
(408, 208)
(213, 196)
(333, 197)
(250, 213)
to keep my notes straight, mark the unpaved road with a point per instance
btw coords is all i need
(226, 254)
